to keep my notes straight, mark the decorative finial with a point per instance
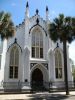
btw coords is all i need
(46, 8)
(27, 5)
(57, 44)
(15, 40)
(37, 21)
(37, 11)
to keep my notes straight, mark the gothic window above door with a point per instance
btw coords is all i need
(37, 44)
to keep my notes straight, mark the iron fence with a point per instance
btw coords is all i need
(36, 86)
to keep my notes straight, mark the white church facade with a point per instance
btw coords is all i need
(31, 57)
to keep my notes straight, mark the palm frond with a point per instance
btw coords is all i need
(62, 28)
(7, 29)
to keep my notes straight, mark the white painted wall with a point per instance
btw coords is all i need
(24, 43)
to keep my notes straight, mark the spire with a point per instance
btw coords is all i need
(47, 12)
(27, 5)
(27, 10)
(46, 8)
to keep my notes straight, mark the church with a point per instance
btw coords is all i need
(31, 58)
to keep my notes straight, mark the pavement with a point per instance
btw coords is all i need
(39, 96)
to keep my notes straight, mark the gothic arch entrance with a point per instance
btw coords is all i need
(37, 79)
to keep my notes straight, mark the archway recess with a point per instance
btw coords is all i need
(37, 78)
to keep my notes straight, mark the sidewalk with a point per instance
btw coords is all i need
(39, 96)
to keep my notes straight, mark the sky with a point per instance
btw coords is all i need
(17, 10)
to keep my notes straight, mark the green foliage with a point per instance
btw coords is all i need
(62, 28)
(7, 29)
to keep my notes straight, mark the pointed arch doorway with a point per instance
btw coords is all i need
(37, 79)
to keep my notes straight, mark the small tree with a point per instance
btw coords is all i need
(63, 29)
(7, 29)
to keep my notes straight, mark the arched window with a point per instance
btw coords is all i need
(37, 44)
(14, 63)
(58, 64)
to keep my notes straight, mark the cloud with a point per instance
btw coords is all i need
(13, 4)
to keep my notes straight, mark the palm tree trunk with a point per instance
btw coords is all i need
(65, 67)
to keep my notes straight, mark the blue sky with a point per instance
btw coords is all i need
(17, 10)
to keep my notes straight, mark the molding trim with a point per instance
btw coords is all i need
(15, 42)
(39, 26)
(44, 64)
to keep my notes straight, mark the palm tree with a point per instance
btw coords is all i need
(7, 29)
(63, 29)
